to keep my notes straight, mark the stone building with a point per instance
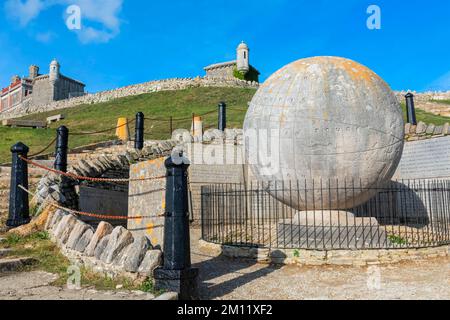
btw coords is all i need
(39, 89)
(239, 68)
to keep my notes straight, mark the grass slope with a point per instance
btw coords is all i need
(97, 117)
(178, 104)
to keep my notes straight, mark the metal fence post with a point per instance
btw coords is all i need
(139, 134)
(222, 116)
(62, 145)
(19, 212)
(410, 109)
(177, 274)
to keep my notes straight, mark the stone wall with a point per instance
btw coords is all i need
(324, 257)
(152, 86)
(423, 96)
(108, 250)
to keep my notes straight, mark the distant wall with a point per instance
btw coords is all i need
(104, 96)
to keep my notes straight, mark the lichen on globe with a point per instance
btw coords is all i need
(327, 119)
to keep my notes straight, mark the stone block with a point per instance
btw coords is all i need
(446, 129)
(101, 246)
(84, 241)
(64, 236)
(430, 129)
(103, 229)
(78, 230)
(135, 253)
(421, 128)
(119, 239)
(152, 260)
(438, 130)
(66, 223)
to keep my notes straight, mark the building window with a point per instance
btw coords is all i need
(245, 55)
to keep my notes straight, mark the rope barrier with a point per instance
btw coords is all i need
(78, 177)
(43, 150)
(101, 131)
(181, 119)
(91, 215)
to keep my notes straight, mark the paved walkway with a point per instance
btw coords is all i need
(223, 278)
(36, 286)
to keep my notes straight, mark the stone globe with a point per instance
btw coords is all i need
(324, 133)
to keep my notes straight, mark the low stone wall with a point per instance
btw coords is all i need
(330, 257)
(423, 131)
(423, 96)
(132, 90)
(107, 250)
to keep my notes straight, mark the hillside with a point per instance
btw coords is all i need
(161, 105)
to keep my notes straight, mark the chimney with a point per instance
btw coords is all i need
(14, 79)
(33, 71)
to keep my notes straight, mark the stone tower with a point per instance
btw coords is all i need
(54, 70)
(242, 61)
(33, 71)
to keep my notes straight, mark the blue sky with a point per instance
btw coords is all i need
(122, 42)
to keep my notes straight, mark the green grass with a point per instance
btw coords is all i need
(427, 117)
(39, 247)
(441, 101)
(96, 117)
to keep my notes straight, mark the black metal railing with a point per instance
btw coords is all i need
(331, 214)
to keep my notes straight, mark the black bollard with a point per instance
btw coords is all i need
(19, 211)
(139, 134)
(222, 116)
(410, 109)
(62, 145)
(177, 275)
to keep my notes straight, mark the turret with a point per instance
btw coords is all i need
(243, 64)
(33, 72)
(54, 70)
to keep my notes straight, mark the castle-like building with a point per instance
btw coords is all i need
(239, 68)
(40, 89)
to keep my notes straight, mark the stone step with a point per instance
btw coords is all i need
(4, 252)
(12, 265)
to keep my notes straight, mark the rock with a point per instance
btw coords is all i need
(103, 229)
(101, 246)
(446, 129)
(64, 236)
(12, 265)
(63, 225)
(78, 230)
(54, 219)
(168, 296)
(421, 128)
(135, 253)
(84, 241)
(430, 129)
(151, 261)
(119, 239)
(438, 130)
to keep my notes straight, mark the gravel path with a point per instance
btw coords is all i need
(223, 278)
(36, 286)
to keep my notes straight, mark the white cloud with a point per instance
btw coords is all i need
(440, 84)
(45, 37)
(101, 12)
(24, 11)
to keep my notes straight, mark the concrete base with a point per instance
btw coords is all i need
(330, 230)
(184, 282)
